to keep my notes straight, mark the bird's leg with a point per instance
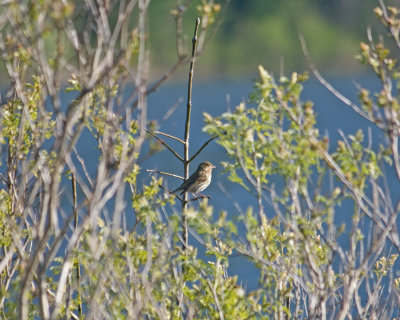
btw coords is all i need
(199, 195)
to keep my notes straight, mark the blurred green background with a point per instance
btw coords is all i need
(253, 32)
(266, 32)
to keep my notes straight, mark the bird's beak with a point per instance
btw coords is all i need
(212, 166)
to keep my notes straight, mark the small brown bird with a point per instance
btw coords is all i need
(198, 181)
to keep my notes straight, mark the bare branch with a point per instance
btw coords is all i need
(201, 149)
(167, 135)
(165, 173)
(336, 93)
(167, 146)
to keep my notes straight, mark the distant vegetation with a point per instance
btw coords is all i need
(262, 31)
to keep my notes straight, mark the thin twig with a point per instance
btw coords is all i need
(331, 89)
(168, 135)
(178, 196)
(201, 149)
(198, 198)
(165, 173)
(171, 111)
(187, 128)
(77, 265)
(152, 88)
(393, 30)
(166, 145)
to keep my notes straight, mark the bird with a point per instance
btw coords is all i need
(198, 181)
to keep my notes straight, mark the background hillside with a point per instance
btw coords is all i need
(266, 32)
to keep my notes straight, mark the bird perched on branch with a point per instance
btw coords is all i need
(198, 181)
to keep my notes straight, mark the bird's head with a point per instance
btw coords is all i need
(206, 166)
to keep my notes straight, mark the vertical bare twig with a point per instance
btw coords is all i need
(187, 129)
(77, 264)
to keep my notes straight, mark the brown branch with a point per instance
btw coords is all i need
(168, 135)
(181, 199)
(165, 173)
(77, 265)
(189, 100)
(201, 148)
(178, 196)
(392, 30)
(166, 145)
(198, 198)
(187, 128)
(331, 89)
(160, 81)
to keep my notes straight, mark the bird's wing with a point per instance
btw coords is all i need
(195, 176)
(186, 182)
(202, 176)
